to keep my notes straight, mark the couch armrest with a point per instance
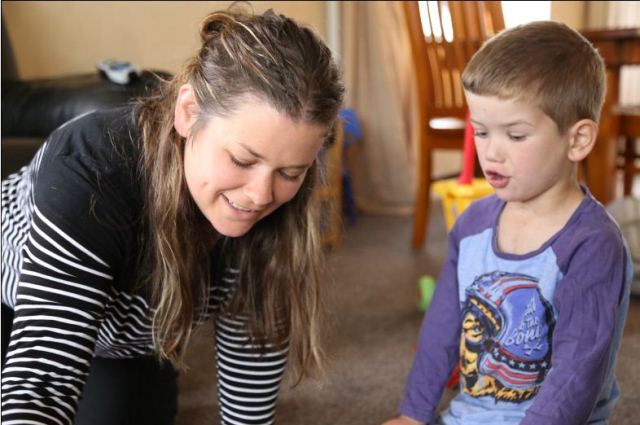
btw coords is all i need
(17, 152)
(35, 108)
(31, 110)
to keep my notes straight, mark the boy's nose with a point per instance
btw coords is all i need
(260, 189)
(492, 151)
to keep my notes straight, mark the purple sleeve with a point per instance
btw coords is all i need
(587, 300)
(438, 345)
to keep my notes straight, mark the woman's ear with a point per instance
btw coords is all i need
(186, 110)
(583, 136)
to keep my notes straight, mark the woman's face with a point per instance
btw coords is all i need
(241, 167)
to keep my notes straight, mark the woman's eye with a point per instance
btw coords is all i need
(239, 163)
(517, 137)
(290, 177)
(480, 134)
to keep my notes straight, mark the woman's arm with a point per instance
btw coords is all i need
(76, 205)
(60, 301)
(248, 377)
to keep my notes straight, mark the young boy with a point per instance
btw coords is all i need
(534, 292)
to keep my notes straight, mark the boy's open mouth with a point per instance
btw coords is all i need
(496, 180)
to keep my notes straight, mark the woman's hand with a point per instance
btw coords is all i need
(403, 420)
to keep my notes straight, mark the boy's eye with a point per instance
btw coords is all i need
(239, 163)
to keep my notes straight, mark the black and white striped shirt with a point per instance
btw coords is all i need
(70, 223)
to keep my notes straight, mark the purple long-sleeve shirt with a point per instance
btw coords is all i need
(535, 335)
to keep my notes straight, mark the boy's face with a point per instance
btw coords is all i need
(521, 151)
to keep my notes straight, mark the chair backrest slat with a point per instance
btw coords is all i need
(444, 36)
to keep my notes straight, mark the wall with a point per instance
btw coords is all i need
(53, 38)
(572, 13)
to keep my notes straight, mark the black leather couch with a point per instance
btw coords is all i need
(32, 109)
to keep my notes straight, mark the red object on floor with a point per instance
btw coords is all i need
(454, 379)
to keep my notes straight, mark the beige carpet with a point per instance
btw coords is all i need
(371, 329)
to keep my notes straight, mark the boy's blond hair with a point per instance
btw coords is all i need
(544, 62)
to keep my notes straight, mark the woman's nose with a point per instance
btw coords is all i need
(260, 189)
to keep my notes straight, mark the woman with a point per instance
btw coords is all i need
(133, 225)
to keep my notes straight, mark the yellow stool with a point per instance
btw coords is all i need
(456, 197)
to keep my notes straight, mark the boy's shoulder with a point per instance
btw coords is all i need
(592, 221)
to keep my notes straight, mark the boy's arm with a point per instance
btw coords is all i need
(587, 300)
(438, 345)
(402, 420)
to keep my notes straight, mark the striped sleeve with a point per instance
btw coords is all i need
(62, 292)
(248, 376)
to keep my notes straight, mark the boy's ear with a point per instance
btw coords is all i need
(186, 110)
(582, 138)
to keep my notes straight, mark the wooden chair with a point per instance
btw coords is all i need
(329, 190)
(444, 35)
(629, 132)
(619, 47)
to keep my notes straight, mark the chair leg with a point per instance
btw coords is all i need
(420, 218)
(423, 198)
(629, 165)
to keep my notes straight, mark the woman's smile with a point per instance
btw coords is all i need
(238, 174)
(239, 207)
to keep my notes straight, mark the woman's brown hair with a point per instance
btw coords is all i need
(278, 288)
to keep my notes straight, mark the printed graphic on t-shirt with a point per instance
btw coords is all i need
(505, 346)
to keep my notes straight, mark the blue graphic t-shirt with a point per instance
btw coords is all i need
(534, 336)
